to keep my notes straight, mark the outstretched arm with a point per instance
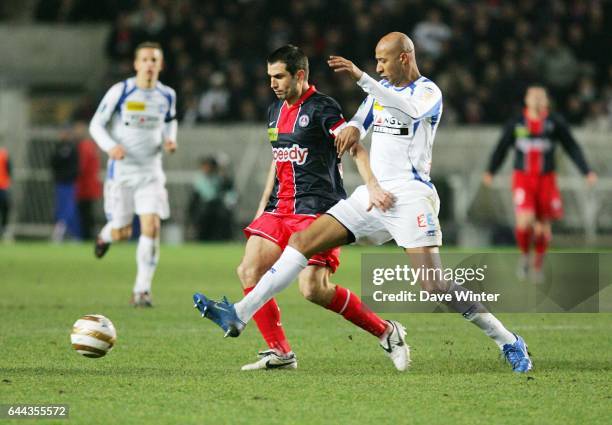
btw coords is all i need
(425, 101)
(379, 197)
(573, 150)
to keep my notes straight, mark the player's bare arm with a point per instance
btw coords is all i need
(267, 190)
(379, 198)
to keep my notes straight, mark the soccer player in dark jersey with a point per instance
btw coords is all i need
(534, 135)
(304, 181)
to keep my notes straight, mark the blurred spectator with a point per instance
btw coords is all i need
(503, 46)
(65, 168)
(88, 185)
(208, 211)
(432, 34)
(214, 104)
(5, 185)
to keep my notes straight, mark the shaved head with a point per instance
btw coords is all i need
(396, 42)
(395, 58)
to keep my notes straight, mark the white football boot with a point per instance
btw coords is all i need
(270, 359)
(395, 346)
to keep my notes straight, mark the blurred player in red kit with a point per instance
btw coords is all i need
(534, 135)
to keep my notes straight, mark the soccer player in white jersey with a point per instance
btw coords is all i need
(403, 109)
(134, 122)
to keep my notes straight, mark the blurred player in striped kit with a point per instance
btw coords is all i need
(134, 122)
(534, 136)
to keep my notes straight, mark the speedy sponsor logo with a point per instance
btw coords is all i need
(293, 154)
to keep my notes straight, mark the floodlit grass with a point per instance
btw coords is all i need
(170, 366)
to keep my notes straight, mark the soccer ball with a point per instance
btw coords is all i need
(93, 335)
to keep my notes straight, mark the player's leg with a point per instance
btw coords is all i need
(316, 287)
(119, 211)
(512, 345)
(524, 200)
(542, 236)
(151, 204)
(259, 255)
(523, 232)
(324, 233)
(147, 258)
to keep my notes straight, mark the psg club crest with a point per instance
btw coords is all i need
(303, 121)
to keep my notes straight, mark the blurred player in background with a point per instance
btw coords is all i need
(304, 181)
(534, 135)
(404, 110)
(134, 121)
(5, 185)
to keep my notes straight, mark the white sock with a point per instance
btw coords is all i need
(147, 256)
(106, 233)
(277, 278)
(493, 328)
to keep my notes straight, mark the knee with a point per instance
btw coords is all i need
(298, 241)
(248, 274)
(315, 290)
(434, 286)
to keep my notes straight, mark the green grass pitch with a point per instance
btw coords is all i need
(169, 366)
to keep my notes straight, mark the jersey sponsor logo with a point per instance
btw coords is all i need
(273, 134)
(377, 106)
(391, 130)
(303, 121)
(135, 106)
(293, 154)
(143, 122)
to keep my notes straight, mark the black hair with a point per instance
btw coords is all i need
(292, 56)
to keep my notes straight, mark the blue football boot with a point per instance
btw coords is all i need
(517, 355)
(222, 313)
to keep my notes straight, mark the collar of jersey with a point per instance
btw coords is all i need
(303, 98)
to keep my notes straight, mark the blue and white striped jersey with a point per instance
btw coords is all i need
(138, 119)
(404, 121)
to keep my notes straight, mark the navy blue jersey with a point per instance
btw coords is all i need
(308, 171)
(534, 143)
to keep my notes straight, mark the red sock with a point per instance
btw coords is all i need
(352, 309)
(269, 325)
(541, 245)
(523, 239)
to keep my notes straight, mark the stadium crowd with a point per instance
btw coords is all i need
(482, 53)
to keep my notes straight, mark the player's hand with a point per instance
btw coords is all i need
(487, 179)
(340, 64)
(379, 198)
(170, 146)
(591, 178)
(117, 152)
(346, 139)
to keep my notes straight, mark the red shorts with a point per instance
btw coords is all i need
(537, 193)
(279, 227)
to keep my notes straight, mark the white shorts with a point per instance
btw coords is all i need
(412, 222)
(123, 199)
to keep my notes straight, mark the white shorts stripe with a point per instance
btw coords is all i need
(261, 233)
